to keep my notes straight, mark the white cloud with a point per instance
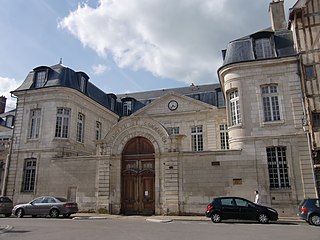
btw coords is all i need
(7, 85)
(100, 69)
(179, 39)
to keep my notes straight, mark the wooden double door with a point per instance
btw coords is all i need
(138, 177)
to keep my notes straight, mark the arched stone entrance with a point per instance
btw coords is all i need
(138, 177)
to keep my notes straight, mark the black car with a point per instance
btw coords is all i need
(309, 210)
(6, 206)
(222, 208)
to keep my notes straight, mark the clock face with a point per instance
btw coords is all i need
(173, 105)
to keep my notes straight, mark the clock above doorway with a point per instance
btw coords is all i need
(173, 105)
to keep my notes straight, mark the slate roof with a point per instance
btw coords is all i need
(242, 49)
(60, 75)
(205, 93)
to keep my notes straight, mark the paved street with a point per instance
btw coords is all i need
(138, 228)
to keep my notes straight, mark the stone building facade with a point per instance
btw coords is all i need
(168, 151)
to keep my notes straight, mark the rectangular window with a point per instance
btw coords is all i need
(263, 48)
(80, 127)
(29, 178)
(270, 103)
(112, 104)
(83, 82)
(34, 124)
(127, 108)
(173, 130)
(196, 138)
(224, 137)
(40, 79)
(62, 123)
(309, 72)
(98, 130)
(9, 121)
(316, 121)
(234, 108)
(278, 167)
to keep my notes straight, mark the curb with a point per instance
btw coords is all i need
(88, 218)
(159, 220)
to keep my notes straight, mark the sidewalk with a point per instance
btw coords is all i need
(159, 218)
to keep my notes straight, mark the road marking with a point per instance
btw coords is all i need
(5, 228)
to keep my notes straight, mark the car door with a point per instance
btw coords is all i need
(229, 208)
(33, 207)
(45, 205)
(247, 210)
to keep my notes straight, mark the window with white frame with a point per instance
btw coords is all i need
(234, 107)
(80, 128)
(263, 48)
(224, 137)
(197, 139)
(173, 130)
(270, 101)
(29, 176)
(40, 78)
(34, 124)
(127, 108)
(62, 122)
(278, 167)
(98, 130)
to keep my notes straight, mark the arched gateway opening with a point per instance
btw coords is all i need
(138, 177)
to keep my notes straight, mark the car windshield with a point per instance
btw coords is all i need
(61, 199)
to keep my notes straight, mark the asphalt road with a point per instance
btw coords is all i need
(140, 229)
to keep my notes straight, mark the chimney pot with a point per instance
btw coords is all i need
(3, 101)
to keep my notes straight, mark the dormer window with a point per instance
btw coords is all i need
(82, 81)
(40, 78)
(83, 84)
(9, 121)
(127, 108)
(263, 48)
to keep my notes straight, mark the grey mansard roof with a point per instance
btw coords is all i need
(59, 75)
(242, 49)
(62, 76)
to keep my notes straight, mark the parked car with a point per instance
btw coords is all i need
(6, 206)
(222, 208)
(47, 205)
(309, 210)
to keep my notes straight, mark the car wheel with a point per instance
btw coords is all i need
(54, 213)
(314, 219)
(7, 214)
(20, 213)
(216, 217)
(263, 218)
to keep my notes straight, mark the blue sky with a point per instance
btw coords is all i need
(124, 45)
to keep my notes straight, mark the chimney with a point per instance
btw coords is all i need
(3, 101)
(278, 19)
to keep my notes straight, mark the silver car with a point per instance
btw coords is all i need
(44, 206)
(6, 206)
